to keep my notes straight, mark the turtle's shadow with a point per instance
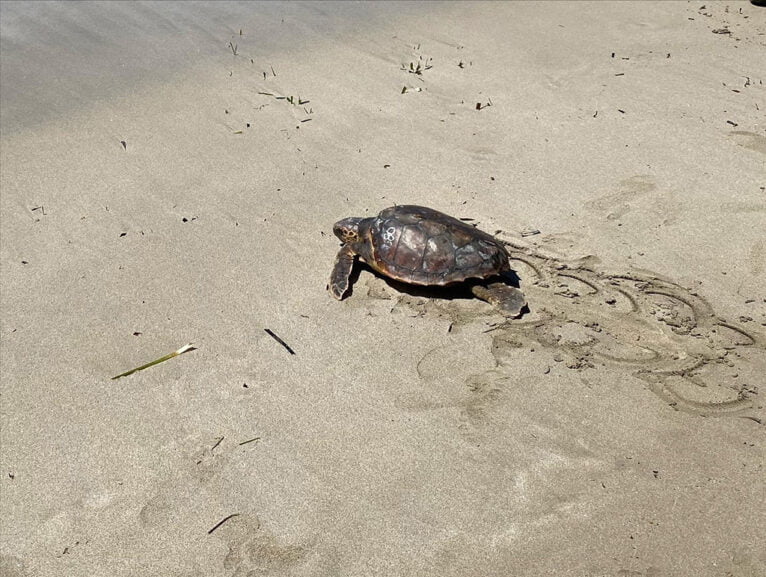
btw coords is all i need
(456, 291)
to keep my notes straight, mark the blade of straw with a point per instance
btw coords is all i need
(180, 351)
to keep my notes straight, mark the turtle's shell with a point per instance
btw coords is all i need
(423, 246)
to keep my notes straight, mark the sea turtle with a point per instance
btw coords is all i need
(423, 246)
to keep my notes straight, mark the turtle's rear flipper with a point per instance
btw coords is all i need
(509, 300)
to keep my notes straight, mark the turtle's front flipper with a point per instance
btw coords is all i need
(508, 299)
(341, 272)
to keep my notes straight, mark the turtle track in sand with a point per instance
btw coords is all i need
(666, 335)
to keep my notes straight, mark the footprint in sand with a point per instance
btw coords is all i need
(617, 204)
(253, 550)
(192, 484)
(749, 140)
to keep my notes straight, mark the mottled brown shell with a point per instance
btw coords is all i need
(423, 246)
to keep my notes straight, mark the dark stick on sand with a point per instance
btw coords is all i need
(250, 441)
(222, 521)
(280, 341)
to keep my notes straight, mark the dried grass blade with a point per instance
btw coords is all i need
(182, 350)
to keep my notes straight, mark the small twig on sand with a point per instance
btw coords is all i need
(280, 341)
(222, 521)
(250, 441)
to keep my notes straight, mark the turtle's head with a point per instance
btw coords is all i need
(347, 230)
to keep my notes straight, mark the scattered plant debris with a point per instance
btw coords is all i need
(480, 106)
(419, 66)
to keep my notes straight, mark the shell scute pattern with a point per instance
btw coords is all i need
(439, 255)
(422, 246)
(409, 252)
(467, 257)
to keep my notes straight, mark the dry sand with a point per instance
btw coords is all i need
(617, 429)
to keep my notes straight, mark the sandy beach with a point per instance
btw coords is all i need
(170, 174)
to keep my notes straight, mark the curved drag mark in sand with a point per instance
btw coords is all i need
(659, 332)
(666, 335)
